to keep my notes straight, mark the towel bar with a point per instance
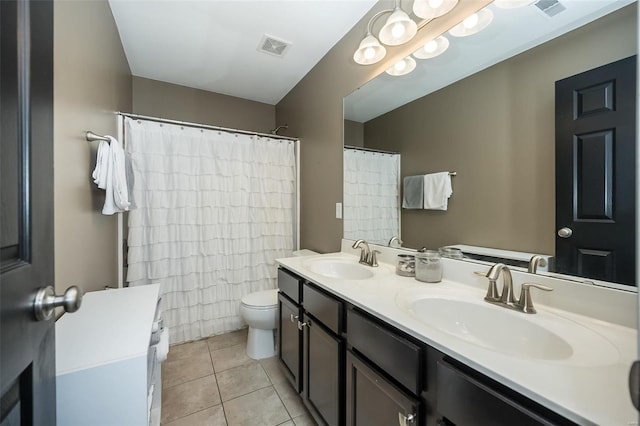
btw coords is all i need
(93, 137)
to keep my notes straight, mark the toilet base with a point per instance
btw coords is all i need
(260, 344)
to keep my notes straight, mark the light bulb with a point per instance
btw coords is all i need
(400, 65)
(369, 53)
(431, 46)
(471, 21)
(434, 4)
(398, 30)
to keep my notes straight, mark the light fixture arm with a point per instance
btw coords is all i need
(374, 18)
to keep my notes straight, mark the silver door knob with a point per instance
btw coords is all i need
(46, 302)
(565, 232)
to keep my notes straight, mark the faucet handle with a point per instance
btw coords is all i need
(524, 303)
(374, 260)
(480, 274)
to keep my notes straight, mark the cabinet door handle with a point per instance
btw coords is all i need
(301, 325)
(293, 318)
(406, 420)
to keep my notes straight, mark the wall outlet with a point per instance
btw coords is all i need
(338, 210)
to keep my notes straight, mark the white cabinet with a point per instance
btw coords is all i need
(106, 369)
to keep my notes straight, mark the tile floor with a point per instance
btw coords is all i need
(212, 382)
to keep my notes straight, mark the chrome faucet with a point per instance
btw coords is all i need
(506, 299)
(367, 256)
(534, 262)
(395, 238)
(506, 296)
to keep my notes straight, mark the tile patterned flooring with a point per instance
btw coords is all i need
(212, 382)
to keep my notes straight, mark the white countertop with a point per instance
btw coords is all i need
(588, 393)
(110, 326)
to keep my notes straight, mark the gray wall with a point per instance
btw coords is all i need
(91, 80)
(313, 111)
(353, 133)
(497, 130)
(159, 99)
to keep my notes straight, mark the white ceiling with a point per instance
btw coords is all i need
(212, 44)
(511, 32)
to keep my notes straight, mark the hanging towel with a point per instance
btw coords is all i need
(114, 179)
(99, 174)
(413, 192)
(437, 190)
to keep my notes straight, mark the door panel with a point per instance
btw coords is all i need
(322, 353)
(27, 358)
(290, 340)
(595, 173)
(374, 401)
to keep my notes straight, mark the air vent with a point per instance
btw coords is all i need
(550, 7)
(273, 46)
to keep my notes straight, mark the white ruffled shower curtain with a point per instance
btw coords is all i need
(371, 195)
(214, 211)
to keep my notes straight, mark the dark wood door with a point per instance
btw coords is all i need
(322, 382)
(27, 358)
(374, 401)
(595, 173)
(290, 340)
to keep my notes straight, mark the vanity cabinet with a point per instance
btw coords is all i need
(358, 370)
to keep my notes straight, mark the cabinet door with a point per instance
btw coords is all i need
(322, 353)
(290, 340)
(374, 401)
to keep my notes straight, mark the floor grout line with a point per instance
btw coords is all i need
(224, 411)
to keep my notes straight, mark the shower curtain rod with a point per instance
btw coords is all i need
(203, 126)
(359, 148)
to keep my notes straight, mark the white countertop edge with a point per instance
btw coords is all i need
(479, 359)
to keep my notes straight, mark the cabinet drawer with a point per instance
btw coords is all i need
(289, 284)
(464, 400)
(394, 354)
(323, 307)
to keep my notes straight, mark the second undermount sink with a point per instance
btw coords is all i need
(542, 336)
(339, 269)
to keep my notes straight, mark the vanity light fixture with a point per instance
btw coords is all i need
(473, 24)
(429, 9)
(399, 28)
(512, 4)
(370, 51)
(433, 48)
(402, 67)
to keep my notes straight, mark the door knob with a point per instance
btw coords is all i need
(565, 232)
(46, 301)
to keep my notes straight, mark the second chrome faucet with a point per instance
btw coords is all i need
(506, 298)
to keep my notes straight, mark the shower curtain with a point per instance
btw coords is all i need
(213, 211)
(371, 195)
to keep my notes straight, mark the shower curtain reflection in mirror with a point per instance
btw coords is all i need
(214, 211)
(371, 195)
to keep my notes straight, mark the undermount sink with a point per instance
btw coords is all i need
(340, 269)
(539, 337)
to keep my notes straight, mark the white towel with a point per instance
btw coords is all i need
(412, 192)
(110, 175)
(99, 174)
(437, 190)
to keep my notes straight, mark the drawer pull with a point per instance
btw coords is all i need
(406, 420)
(293, 318)
(301, 325)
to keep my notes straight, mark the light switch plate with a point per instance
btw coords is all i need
(338, 210)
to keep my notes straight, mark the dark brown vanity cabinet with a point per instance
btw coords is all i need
(355, 369)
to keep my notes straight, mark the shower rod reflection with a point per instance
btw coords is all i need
(203, 126)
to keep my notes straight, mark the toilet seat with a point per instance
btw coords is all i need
(267, 299)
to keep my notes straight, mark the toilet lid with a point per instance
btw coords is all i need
(266, 298)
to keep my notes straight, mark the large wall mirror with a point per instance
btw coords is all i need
(486, 109)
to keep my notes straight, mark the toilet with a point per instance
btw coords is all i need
(260, 311)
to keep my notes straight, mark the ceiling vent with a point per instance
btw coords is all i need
(550, 7)
(273, 46)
